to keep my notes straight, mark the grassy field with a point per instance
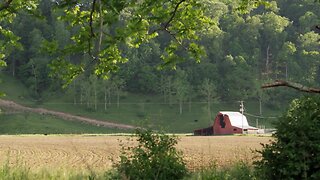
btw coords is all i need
(94, 152)
(135, 109)
(30, 123)
(156, 115)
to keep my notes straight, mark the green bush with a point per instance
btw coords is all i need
(155, 157)
(295, 152)
(141, 114)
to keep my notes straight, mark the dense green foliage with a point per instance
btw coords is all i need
(294, 154)
(99, 28)
(243, 51)
(155, 157)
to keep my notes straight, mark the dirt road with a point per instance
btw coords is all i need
(17, 107)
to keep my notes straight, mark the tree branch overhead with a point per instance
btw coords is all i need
(293, 85)
(5, 5)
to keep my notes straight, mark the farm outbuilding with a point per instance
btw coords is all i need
(228, 122)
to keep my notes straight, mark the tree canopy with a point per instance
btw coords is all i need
(100, 28)
(240, 46)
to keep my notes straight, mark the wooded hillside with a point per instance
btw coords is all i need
(243, 51)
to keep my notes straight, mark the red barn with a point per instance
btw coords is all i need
(227, 122)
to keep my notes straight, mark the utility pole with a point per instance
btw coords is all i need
(242, 111)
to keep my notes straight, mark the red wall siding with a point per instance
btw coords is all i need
(228, 129)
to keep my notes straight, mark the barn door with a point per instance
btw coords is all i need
(222, 121)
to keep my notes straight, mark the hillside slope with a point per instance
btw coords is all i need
(133, 110)
(17, 107)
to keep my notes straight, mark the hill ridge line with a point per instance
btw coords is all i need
(66, 116)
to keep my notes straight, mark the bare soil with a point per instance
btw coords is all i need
(89, 152)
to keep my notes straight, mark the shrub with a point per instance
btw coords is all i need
(295, 152)
(141, 114)
(155, 157)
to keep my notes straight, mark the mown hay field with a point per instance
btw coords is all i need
(95, 153)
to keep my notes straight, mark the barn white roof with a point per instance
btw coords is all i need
(238, 120)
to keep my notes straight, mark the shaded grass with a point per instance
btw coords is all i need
(30, 123)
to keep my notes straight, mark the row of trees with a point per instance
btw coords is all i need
(92, 91)
(243, 51)
(88, 91)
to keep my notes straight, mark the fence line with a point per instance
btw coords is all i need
(262, 117)
(146, 103)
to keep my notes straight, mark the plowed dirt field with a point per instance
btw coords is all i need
(81, 152)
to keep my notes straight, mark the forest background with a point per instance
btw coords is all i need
(243, 51)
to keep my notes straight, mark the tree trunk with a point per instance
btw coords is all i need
(101, 27)
(118, 98)
(35, 79)
(190, 104)
(165, 97)
(286, 71)
(88, 97)
(109, 96)
(105, 99)
(260, 105)
(267, 61)
(81, 95)
(209, 108)
(180, 104)
(95, 97)
(163, 89)
(170, 93)
(13, 67)
(88, 103)
(75, 93)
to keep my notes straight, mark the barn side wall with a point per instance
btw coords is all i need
(204, 132)
(227, 129)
